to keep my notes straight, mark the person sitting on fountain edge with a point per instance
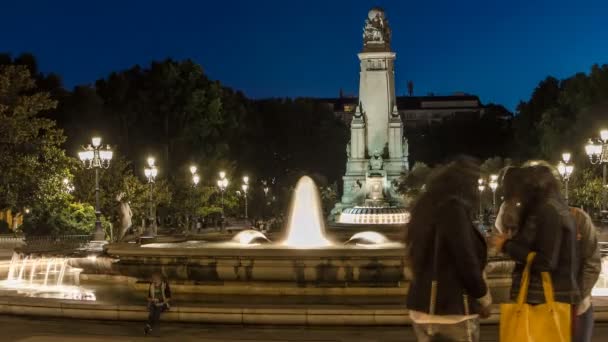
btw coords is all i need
(159, 295)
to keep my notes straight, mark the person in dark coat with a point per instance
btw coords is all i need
(447, 255)
(547, 228)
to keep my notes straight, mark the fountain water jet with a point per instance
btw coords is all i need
(306, 228)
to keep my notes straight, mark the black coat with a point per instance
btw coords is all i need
(462, 257)
(549, 230)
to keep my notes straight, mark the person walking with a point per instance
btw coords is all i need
(159, 295)
(448, 255)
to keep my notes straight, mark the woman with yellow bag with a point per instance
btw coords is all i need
(544, 248)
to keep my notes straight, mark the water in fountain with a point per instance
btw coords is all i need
(43, 277)
(23, 270)
(306, 228)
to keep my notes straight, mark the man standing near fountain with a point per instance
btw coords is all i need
(159, 295)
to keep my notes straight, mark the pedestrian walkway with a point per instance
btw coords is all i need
(23, 329)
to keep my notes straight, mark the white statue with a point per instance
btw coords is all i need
(125, 214)
(406, 148)
(376, 30)
(348, 150)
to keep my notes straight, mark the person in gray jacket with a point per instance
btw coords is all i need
(589, 271)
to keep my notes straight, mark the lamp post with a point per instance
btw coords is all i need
(95, 156)
(151, 171)
(245, 187)
(481, 186)
(565, 170)
(222, 184)
(598, 154)
(195, 180)
(493, 186)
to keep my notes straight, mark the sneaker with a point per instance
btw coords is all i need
(147, 329)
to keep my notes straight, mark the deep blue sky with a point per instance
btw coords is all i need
(496, 49)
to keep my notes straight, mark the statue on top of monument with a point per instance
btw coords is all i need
(376, 162)
(376, 30)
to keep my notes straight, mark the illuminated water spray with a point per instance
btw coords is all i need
(306, 227)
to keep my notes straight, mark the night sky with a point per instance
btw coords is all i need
(308, 48)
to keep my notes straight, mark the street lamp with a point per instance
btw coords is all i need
(195, 180)
(222, 184)
(493, 186)
(151, 171)
(565, 170)
(598, 154)
(95, 156)
(481, 186)
(245, 186)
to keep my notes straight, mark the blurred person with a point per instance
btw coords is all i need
(447, 255)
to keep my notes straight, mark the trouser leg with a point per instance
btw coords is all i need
(584, 326)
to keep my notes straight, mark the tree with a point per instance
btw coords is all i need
(413, 182)
(33, 164)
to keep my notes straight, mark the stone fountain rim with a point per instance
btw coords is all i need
(268, 251)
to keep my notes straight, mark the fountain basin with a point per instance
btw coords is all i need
(329, 266)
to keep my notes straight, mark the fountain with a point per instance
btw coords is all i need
(305, 257)
(44, 277)
(306, 228)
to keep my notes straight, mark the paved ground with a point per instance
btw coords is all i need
(21, 329)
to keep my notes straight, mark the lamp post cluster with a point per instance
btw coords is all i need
(245, 187)
(151, 171)
(482, 183)
(597, 150)
(95, 156)
(565, 169)
(481, 186)
(222, 184)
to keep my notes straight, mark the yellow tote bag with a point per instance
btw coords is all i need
(522, 322)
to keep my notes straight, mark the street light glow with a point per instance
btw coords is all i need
(96, 141)
(222, 174)
(193, 169)
(151, 161)
(566, 156)
(604, 135)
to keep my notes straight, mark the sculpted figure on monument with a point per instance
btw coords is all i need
(376, 162)
(348, 150)
(406, 148)
(376, 28)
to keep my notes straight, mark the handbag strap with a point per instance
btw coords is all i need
(522, 296)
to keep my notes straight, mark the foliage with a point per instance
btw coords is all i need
(586, 189)
(562, 115)
(61, 218)
(33, 164)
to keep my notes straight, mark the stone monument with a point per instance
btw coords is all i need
(377, 152)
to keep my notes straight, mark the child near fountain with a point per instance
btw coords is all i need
(159, 295)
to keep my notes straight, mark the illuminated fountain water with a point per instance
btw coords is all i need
(44, 277)
(306, 227)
